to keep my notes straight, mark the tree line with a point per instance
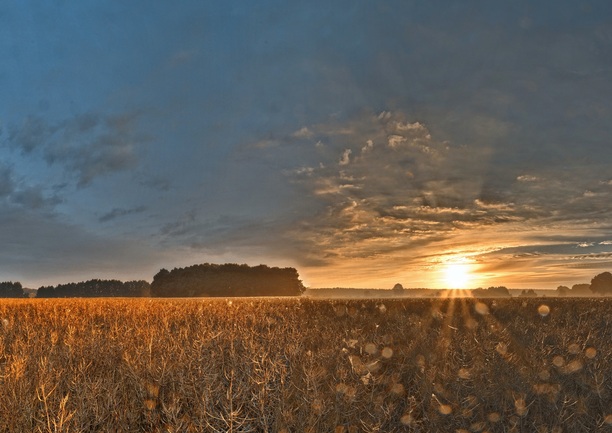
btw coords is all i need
(198, 280)
(96, 289)
(240, 280)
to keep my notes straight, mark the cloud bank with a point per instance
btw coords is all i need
(383, 189)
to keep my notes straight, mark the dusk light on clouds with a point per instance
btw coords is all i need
(363, 143)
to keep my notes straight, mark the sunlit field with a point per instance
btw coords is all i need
(300, 365)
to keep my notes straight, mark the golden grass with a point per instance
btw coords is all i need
(298, 365)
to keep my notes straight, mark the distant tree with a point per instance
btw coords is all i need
(602, 284)
(492, 292)
(563, 291)
(581, 290)
(528, 294)
(499, 291)
(398, 288)
(9, 289)
(227, 280)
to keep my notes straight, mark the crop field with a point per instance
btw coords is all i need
(302, 365)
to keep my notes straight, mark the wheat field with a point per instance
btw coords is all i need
(300, 365)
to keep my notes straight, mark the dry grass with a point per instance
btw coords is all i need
(296, 365)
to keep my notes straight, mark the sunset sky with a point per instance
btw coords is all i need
(364, 143)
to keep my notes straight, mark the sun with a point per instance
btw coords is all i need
(458, 275)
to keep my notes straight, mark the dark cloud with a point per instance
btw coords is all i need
(35, 199)
(88, 145)
(120, 212)
(33, 133)
(155, 182)
(19, 193)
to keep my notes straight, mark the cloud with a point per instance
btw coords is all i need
(527, 178)
(31, 134)
(6, 181)
(392, 187)
(346, 157)
(596, 256)
(384, 189)
(17, 192)
(303, 133)
(34, 198)
(157, 183)
(120, 212)
(87, 145)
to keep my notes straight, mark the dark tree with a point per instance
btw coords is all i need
(563, 291)
(581, 290)
(602, 284)
(138, 288)
(226, 280)
(528, 293)
(398, 288)
(8, 289)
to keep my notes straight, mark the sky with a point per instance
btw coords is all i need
(363, 143)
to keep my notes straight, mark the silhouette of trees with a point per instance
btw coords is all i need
(227, 280)
(602, 284)
(492, 292)
(8, 289)
(581, 290)
(563, 291)
(96, 288)
(529, 293)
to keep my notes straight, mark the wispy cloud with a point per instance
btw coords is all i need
(120, 212)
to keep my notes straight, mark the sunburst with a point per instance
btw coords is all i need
(458, 274)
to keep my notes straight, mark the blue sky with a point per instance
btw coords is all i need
(364, 143)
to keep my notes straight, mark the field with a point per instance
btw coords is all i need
(300, 365)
